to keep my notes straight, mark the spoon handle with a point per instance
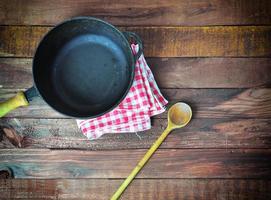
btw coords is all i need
(141, 163)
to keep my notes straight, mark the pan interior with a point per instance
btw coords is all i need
(83, 67)
(90, 74)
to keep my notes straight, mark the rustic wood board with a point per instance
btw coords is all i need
(166, 163)
(214, 41)
(169, 72)
(222, 154)
(140, 189)
(206, 103)
(147, 12)
(201, 133)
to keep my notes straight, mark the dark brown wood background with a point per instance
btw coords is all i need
(213, 54)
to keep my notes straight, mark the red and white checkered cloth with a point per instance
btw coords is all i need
(143, 100)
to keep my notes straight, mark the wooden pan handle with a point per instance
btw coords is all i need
(12, 103)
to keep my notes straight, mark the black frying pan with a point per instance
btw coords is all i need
(84, 67)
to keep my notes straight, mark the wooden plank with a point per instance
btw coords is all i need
(226, 41)
(140, 189)
(200, 133)
(211, 72)
(20, 41)
(206, 103)
(166, 163)
(171, 12)
(16, 73)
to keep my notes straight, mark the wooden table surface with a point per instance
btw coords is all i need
(213, 54)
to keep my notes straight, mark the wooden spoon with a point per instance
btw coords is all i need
(179, 115)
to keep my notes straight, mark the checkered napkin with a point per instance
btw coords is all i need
(143, 100)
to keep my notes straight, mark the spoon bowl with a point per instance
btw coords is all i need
(179, 115)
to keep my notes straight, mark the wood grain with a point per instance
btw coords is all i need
(211, 72)
(206, 103)
(16, 73)
(140, 189)
(221, 155)
(200, 133)
(166, 163)
(215, 41)
(171, 12)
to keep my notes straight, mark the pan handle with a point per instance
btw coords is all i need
(133, 38)
(14, 102)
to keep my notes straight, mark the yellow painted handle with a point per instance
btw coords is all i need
(12, 103)
(141, 163)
